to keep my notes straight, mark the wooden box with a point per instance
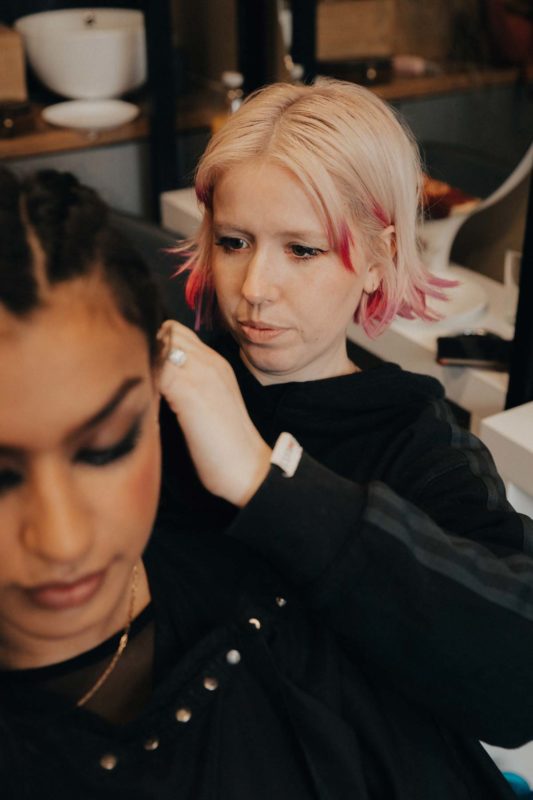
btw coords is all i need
(353, 29)
(12, 68)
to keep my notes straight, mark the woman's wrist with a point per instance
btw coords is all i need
(286, 455)
(252, 473)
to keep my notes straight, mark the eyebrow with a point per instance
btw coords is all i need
(285, 234)
(107, 409)
(102, 414)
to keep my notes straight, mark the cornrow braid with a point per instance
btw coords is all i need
(66, 218)
(18, 287)
(71, 224)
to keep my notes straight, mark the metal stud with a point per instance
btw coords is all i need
(210, 684)
(151, 744)
(109, 761)
(255, 622)
(280, 601)
(183, 714)
(233, 657)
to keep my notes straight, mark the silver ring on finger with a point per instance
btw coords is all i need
(177, 357)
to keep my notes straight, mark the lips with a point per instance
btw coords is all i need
(260, 332)
(60, 596)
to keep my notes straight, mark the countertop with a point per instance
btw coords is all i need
(196, 111)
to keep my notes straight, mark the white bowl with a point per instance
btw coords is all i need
(86, 53)
(90, 115)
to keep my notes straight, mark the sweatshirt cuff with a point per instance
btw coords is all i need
(301, 523)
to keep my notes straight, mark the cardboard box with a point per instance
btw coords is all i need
(354, 29)
(12, 66)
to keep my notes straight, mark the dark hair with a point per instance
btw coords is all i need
(71, 223)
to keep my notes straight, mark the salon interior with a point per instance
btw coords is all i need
(126, 96)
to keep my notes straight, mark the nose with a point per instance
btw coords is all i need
(57, 527)
(259, 285)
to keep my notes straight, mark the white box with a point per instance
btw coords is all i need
(180, 211)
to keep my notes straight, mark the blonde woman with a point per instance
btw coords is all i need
(392, 524)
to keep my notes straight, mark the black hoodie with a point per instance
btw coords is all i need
(353, 633)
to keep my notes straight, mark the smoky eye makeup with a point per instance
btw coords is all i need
(102, 456)
(13, 470)
(9, 479)
(91, 456)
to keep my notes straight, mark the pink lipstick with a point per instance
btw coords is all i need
(260, 332)
(61, 596)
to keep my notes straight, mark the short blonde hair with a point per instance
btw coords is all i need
(360, 167)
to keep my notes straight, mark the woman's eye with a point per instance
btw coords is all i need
(230, 243)
(303, 252)
(9, 479)
(101, 457)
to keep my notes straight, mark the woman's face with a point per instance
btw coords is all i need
(79, 472)
(285, 295)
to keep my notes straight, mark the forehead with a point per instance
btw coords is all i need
(61, 362)
(264, 193)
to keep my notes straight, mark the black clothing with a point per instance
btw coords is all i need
(356, 631)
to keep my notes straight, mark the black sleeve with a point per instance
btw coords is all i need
(443, 613)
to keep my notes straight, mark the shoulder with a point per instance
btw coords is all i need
(422, 446)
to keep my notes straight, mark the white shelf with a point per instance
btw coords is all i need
(413, 345)
(180, 212)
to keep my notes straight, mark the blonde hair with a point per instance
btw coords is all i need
(360, 167)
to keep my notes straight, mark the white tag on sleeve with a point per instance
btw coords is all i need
(286, 454)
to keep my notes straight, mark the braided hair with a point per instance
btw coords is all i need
(70, 223)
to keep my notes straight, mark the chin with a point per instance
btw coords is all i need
(271, 363)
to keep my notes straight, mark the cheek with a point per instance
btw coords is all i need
(329, 307)
(134, 505)
(344, 292)
(227, 281)
(11, 514)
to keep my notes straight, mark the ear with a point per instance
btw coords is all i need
(388, 236)
(387, 247)
(372, 279)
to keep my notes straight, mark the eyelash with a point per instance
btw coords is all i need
(309, 252)
(9, 479)
(100, 458)
(226, 243)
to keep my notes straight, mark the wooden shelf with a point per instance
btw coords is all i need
(446, 83)
(44, 138)
(196, 112)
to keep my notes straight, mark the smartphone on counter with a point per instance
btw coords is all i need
(474, 348)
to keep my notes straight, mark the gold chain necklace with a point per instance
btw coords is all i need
(123, 643)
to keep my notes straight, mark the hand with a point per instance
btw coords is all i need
(231, 458)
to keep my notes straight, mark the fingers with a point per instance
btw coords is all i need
(201, 388)
(175, 336)
(188, 359)
(170, 328)
(193, 372)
